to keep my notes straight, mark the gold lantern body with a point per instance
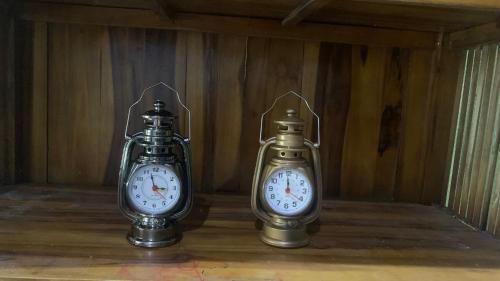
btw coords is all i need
(286, 191)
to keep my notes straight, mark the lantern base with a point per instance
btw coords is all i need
(148, 237)
(284, 237)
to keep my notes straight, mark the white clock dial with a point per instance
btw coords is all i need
(288, 191)
(154, 189)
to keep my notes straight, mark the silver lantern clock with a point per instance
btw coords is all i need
(287, 184)
(154, 189)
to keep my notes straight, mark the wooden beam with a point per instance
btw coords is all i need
(164, 10)
(233, 25)
(459, 4)
(473, 36)
(303, 10)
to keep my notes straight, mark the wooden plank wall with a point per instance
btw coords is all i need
(473, 183)
(7, 94)
(380, 119)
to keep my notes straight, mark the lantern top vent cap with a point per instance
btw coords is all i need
(158, 113)
(290, 118)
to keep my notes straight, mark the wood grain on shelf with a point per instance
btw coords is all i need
(226, 24)
(95, 73)
(77, 233)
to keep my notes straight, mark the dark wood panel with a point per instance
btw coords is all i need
(332, 103)
(373, 36)
(8, 95)
(369, 149)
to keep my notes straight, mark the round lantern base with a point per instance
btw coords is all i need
(284, 237)
(148, 237)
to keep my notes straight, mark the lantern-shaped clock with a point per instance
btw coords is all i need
(154, 189)
(286, 191)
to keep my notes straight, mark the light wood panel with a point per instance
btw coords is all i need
(442, 115)
(359, 157)
(472, 187)
(371, 147)
(414, 127)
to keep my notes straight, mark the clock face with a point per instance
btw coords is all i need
(153, 189)
(288, 191)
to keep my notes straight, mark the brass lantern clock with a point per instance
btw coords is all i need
(286, 191)
(154, 189)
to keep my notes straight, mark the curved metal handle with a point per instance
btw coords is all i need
(127, 136)
(272, 106)
(186, 149)
(263, 216)
(127, 151)
(319, 183)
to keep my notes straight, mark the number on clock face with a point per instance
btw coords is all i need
(154, 189)
(288, 192)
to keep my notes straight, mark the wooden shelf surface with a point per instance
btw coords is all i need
(77, 233)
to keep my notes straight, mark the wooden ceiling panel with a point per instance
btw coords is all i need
(401, 16)
(396, 14)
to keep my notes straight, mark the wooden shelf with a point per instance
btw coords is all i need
(77, 233)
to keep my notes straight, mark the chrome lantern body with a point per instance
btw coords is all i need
(286, 190)
(154, 189)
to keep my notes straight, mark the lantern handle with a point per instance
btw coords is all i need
(127, 136)
(262, 141)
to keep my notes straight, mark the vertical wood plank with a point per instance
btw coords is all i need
(467, 121)
(395, 85)
(413, 134)
(196, 99)
(363, 122)
(484, 84)
(180, 78)
(484, 169)
(493, 225)
(7, 98)
(460, 107)
(309, 83)
(442, 123)
(228, 91)
(284, 73)
(74, 142)
(139, 58)
(478, 95)
(333, 93)
(38, 145)
(254, 105)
